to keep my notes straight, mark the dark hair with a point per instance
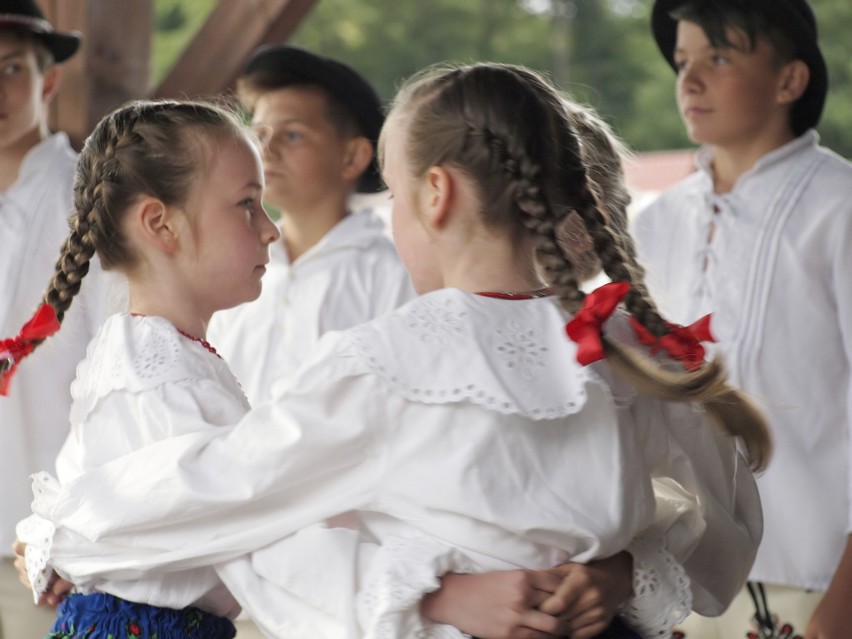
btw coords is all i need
(251, 87)
(43, 55)
(509, 130)
(715, 20)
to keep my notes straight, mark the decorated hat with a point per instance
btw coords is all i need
(25, 16)
(795, 18)
(343, 82)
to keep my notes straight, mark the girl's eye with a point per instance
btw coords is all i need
(248, 203)
(719, 58)
(293, 136)
(11, 69)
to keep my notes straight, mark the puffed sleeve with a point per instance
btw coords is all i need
(213, 495)
(694, 455)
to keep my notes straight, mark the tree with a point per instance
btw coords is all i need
(601, 51)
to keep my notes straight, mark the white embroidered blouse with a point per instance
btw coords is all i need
(468, 438)
(350, 276)
(775, 274)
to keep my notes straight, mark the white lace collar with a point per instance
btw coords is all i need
(510, 356)
(134, 354)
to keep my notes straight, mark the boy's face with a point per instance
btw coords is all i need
(24, 94)
(304, 156)
(731, 96)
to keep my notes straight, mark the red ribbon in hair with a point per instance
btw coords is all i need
(586, 326)
(682, 343)
(43, 324)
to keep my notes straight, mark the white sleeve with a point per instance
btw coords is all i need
(213, 495)
(696, 457)
(661, 593)
(328, 583)
(399, 574)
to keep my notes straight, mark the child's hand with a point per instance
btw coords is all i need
(19, 549)
(496, 605)
(831, 617)
(590, 594)
(57, 587)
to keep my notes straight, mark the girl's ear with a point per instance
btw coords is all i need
(794, 80)
(436, 196)
(156, 224)
(357, 156)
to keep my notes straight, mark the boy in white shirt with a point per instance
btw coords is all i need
(334, 267)
(760, 237)
(36, 172)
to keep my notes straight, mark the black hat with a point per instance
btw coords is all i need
(340, 80)
(25, 16)
(795, 18)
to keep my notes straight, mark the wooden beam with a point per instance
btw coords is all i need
(221, 48)
(112, 66)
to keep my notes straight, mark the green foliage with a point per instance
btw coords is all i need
(176, 22)
(599, 50)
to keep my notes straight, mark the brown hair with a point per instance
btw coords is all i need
(156, 148)
(603, 153)
(715, 18)
(508, 129)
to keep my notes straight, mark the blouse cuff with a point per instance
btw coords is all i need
(401, 572)
(662, 597)
(37, 534)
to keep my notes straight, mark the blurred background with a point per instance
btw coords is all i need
(600, 51)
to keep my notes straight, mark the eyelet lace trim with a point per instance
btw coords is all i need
(137, 353)
(661, 591)
(401, 573)
(518, 360)
(37, 533)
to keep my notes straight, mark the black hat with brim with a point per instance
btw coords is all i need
(24, 16)
(348, 86)
(795, 18)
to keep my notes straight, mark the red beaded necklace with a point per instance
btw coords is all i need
(545, 292)
(193, 338)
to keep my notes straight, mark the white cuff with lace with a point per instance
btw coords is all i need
(661, 592)
(401, 572)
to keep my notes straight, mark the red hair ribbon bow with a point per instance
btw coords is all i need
(43, 324)
(586, 326)
(682, 343)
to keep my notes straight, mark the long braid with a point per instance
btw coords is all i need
(509, 130)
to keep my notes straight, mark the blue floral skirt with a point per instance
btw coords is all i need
(102, 616)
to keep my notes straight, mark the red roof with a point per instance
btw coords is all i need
(657, 170)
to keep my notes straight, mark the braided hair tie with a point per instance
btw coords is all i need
(43, 324)
(682, 343)
(586, 326)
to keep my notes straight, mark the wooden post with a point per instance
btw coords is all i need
(114, 62)
(216, 56)
(112, 66)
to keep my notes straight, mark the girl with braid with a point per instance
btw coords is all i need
(167, 194)
(467, 430)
